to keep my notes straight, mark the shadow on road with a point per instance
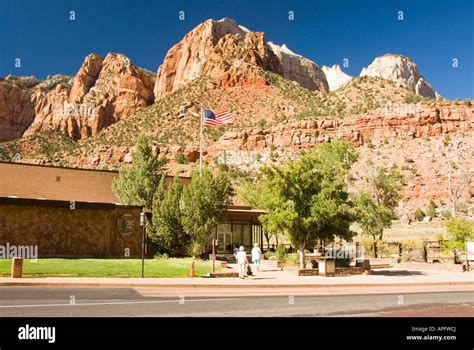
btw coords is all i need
(397, 273)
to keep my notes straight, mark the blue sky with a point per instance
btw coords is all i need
(433, 33)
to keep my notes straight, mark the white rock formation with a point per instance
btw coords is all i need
(300, 69)
(336, 77)
(401, 70)
(423, 88)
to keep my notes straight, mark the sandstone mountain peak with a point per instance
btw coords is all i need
(401, 70)
(336, 77)
(282, 48)
(103, 91)
(214, 48)
(230, 23)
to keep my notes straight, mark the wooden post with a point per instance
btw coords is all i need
(231, 236)
(468, 268)
(215, 237)
(17, 267)
(214, 255)
(142, 223)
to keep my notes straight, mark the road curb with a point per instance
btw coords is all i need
(222, 286)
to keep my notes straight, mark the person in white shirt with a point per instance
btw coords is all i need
(242, 261)
(256, 255)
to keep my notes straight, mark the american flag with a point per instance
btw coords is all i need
(210, 118)
(219, 119)
(225, 117)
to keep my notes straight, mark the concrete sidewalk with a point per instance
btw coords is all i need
(267, 279)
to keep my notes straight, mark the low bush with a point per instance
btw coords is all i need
(419, 214)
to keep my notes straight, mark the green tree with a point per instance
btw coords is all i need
(168, 231)
(460, 230)
(253, 193)
(205, 201)
(431, 210)
(307, 199)
(137, 183)
(376, 204)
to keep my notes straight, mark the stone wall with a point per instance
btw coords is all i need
(340, 271)
(95, 230)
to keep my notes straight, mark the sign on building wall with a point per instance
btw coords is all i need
(127, 223)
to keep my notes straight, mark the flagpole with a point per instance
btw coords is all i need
(200, 148)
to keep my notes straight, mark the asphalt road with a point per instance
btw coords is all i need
(127, 302)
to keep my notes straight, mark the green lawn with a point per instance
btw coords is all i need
(108, 267)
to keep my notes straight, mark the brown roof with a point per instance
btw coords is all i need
(62, 204)
(56, 183)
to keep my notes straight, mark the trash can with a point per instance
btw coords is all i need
(364, 263)
(327, 267)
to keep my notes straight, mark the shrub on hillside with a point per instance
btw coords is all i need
(412, 98)
(419, 214)
(181, 158)
(446, 214)
(261, 123)
(431, 210)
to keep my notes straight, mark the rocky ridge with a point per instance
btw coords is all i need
(401, 122)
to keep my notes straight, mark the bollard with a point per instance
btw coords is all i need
(17, 267)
